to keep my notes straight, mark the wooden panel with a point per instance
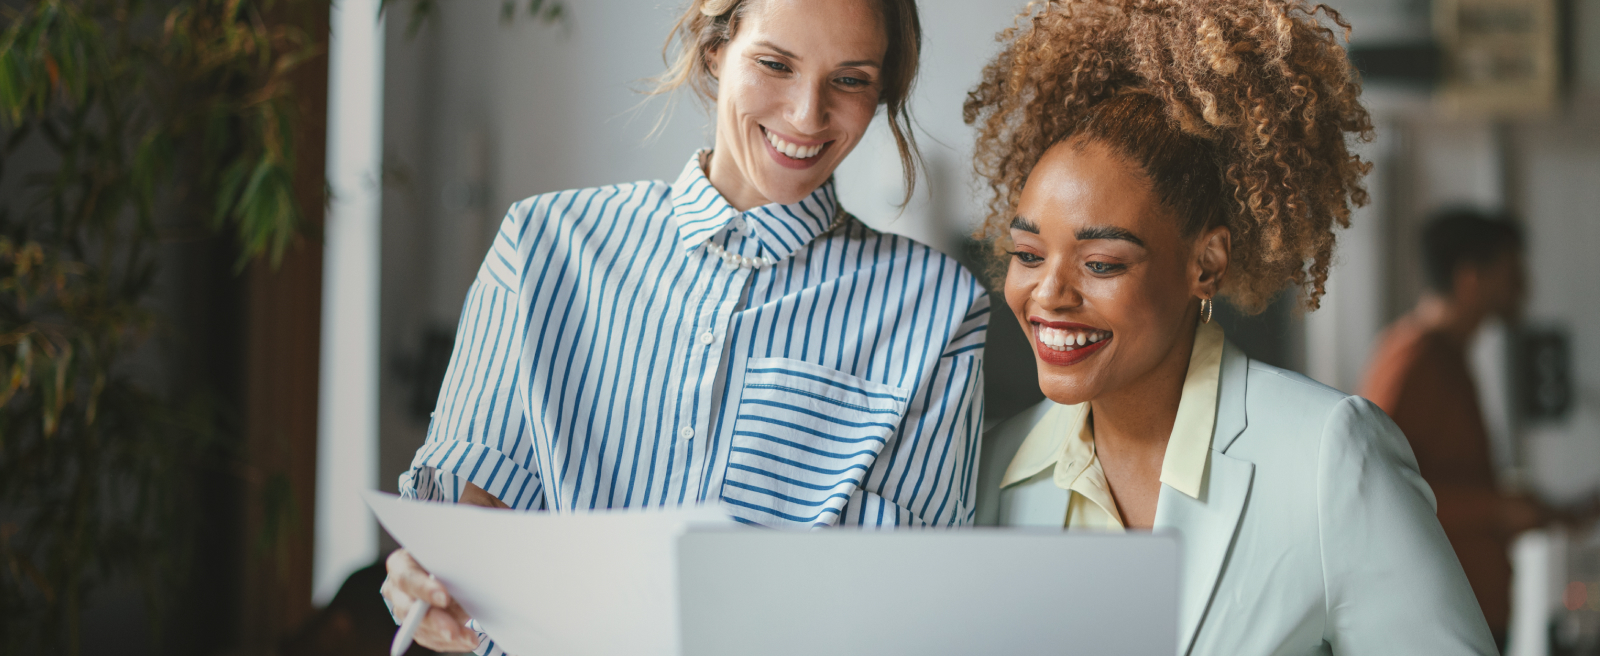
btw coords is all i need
(282, 331)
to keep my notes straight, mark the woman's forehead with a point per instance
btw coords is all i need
(847, 29)
(1079, 186)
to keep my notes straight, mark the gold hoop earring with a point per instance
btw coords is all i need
(1205, 310)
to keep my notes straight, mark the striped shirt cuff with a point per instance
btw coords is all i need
(483, 466)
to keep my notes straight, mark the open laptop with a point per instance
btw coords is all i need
(686, 583)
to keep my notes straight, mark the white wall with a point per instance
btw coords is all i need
(1562, 207)
(347, 403)
(1340, 334)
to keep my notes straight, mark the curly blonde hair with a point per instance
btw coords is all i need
(1240, 112)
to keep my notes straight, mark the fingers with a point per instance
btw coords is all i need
(456, 611)
(399, 601)
(444, 626)
(410, 578)
(440, 631)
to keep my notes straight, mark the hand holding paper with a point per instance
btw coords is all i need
(502, 568)
(442, 626)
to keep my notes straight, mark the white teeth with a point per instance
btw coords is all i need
(1061, 340)
(793, 150)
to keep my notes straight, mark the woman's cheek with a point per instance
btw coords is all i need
(756, 97)
(1019, 286)
(1109, 293)
(861, 107)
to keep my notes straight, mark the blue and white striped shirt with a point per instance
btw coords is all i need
(606, 359)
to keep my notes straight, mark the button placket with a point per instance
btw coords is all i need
(708, 350)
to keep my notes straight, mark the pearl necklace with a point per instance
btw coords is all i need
(739, 260)
(763, 261)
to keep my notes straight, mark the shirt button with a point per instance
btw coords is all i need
(707, 338)
(686, 433)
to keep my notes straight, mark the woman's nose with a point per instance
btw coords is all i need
(1057, 290)
(808, 111)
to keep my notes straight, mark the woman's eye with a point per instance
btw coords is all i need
(852, 82)
(774, 66)
(1026, 257)
(1103, 268)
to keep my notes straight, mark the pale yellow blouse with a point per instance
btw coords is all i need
(1059, 451)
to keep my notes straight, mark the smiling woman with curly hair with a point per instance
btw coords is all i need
(1146, 157)
(1262, 104)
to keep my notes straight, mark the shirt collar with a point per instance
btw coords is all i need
(1057, 439)
(1184, 466)
(779, 229)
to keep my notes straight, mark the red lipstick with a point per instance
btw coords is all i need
(1068, 357)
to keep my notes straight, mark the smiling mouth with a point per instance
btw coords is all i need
(790, 149)
(1068, 339)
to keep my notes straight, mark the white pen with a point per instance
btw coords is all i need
(408, 628)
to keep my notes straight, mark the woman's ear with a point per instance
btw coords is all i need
(1212, 250)
(713, 60)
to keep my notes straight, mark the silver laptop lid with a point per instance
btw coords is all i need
(981, 591)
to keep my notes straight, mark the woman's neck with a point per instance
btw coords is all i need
(729, 181)
(1141, 415)
(1131, 429)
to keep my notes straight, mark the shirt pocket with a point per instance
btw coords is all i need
(804, 439)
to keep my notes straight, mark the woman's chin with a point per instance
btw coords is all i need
(787, 186)
(1066, 390)
(788, 193)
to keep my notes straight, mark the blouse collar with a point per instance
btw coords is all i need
(779, 229)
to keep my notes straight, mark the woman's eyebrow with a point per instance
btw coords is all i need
(860, 63)
(854, 62)
(1022, 223)
(1109, 232)
(781, 51)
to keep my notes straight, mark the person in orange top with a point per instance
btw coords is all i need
(1419, 375)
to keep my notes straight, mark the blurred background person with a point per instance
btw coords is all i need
(1420, 375)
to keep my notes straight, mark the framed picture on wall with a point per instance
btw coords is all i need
(1500, 56)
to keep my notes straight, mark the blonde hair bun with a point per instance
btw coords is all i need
(715, 8)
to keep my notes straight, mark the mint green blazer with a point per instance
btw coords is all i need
(1314, 533)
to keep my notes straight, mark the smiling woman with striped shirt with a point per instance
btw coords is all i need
(732, 338)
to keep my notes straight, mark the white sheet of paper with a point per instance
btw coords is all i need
(547, 583)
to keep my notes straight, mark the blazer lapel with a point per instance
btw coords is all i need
(1208, 525)
(1231, 381)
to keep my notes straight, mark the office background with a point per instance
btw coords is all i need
(468, 110)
